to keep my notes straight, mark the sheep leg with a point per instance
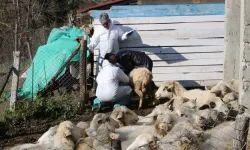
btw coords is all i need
(150, 91)
(141, 95)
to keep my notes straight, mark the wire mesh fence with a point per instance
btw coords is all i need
(37, 68)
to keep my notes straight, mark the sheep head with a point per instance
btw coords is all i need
(124, 116)
(216, 104)
(176, 104)
(229, 97)
(161, 128)
(235, 84)
(83, 125)
(211, 117)
(65, 128)
(97, 120)
(221, 89)
(163, 124)
(169, 89)
(185, 144)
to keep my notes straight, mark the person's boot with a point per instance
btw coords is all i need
(97, 105)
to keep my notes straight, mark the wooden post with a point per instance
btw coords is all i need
(29, 49)
(83, 65)
(16, 64)
(241, 129)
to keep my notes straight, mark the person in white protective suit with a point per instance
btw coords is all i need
(108, 88)
(107, 37)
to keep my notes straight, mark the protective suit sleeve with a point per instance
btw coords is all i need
(94, 41)
(121, 34)
(122, 77)
(126, 34)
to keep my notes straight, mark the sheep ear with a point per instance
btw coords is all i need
(212, 105)
(67, 133)
(204, 107)
(185, 100)
(120, 115)
(154, 117)
(114, 135)
(170, 103)
(99, 121)
(215, 90)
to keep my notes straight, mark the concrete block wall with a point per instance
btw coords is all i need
(232, 39)
(244, 74)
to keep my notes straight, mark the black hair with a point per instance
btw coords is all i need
(108, 55)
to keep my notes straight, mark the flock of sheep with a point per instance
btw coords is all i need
(190, 120)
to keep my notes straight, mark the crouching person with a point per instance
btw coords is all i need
(108, 88)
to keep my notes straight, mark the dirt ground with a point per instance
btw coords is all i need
(30, 131)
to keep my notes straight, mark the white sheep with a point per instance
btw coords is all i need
(142, 140)
(63, 137)
(219, 137)
(60, 136)
(170, 89)
(234, 84)
(182, 136)
(78, 132)
(23, 146)
(85, 144)
(220, 89)
(141, 79)
(177, 103)
(216, 104)
(224, 90)
(159, 110)
(30, 146)
(127, 134)
(211, 117)
(83, 125)
(48, 136)
(99, 137)
(97, 120)
(124, 116)
(187, 110)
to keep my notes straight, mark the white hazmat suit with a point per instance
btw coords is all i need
(107, 40)
(108, 89)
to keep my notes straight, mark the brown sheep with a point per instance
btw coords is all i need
(141, 79)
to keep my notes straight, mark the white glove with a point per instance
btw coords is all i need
(126, 34)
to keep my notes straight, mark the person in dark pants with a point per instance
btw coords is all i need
(130, 60)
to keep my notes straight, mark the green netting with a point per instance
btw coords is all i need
(50, 58)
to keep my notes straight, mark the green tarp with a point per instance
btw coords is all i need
(50, 58)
